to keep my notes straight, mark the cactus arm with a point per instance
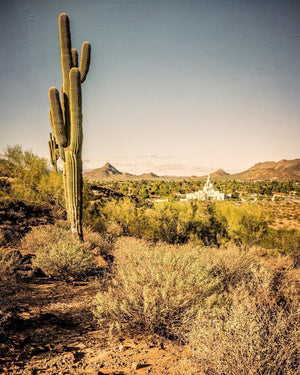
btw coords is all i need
(85, 60)
(59, 149)
(51, 120)
(62, 101)
(56, 148)
(57, 117)
(74, 58)
(52, 151)
(65, 49)
(76, 111)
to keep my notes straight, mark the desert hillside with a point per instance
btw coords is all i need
(271, 170)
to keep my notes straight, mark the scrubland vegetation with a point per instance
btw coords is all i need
(212, 276)
(237, 309)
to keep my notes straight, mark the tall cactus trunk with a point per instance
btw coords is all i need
(73, 155)
(66, 116)
(73, 184)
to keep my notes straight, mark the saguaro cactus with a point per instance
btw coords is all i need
(54, 152)
(66, 120)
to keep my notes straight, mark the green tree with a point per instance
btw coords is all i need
(33, 180)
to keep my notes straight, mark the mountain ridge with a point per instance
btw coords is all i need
(269, 170)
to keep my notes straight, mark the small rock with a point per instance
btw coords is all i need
(122, 347)
(69, 357)
(136, 366)
(36, 272)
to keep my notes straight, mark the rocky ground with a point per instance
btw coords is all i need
(47, 326)
(18, 217)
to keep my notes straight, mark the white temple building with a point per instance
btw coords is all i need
(208, 193)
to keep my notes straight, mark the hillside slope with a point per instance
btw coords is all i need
(271, 170)
(107, 171)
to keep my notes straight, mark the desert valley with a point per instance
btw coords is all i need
(181, 269)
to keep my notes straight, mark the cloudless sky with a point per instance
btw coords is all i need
(175, 87)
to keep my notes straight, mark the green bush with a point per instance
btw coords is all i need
(33, 180)
(246, 224)
(173, 222)
(284, 240)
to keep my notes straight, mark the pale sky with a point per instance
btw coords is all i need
(177, 87)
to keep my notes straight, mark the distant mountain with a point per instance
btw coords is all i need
(219, 173)
(271, 170)
(148, 176)
(107, 171)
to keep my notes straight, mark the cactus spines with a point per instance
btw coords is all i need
(66, 119)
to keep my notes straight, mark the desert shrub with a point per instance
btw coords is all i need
(160, 288)
(66, 260)
(257, 333)
(207, 225)
(59, 254)
(2, 237)
(43, 235)
(169, 222)
(33, 180)
(127, 215)
(100, 244)
(284, 240)
(173, 222)
(9, 260)
(178, 223)
(246, 224)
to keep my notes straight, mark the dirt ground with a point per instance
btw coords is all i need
(47, 326)
(49, 329)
